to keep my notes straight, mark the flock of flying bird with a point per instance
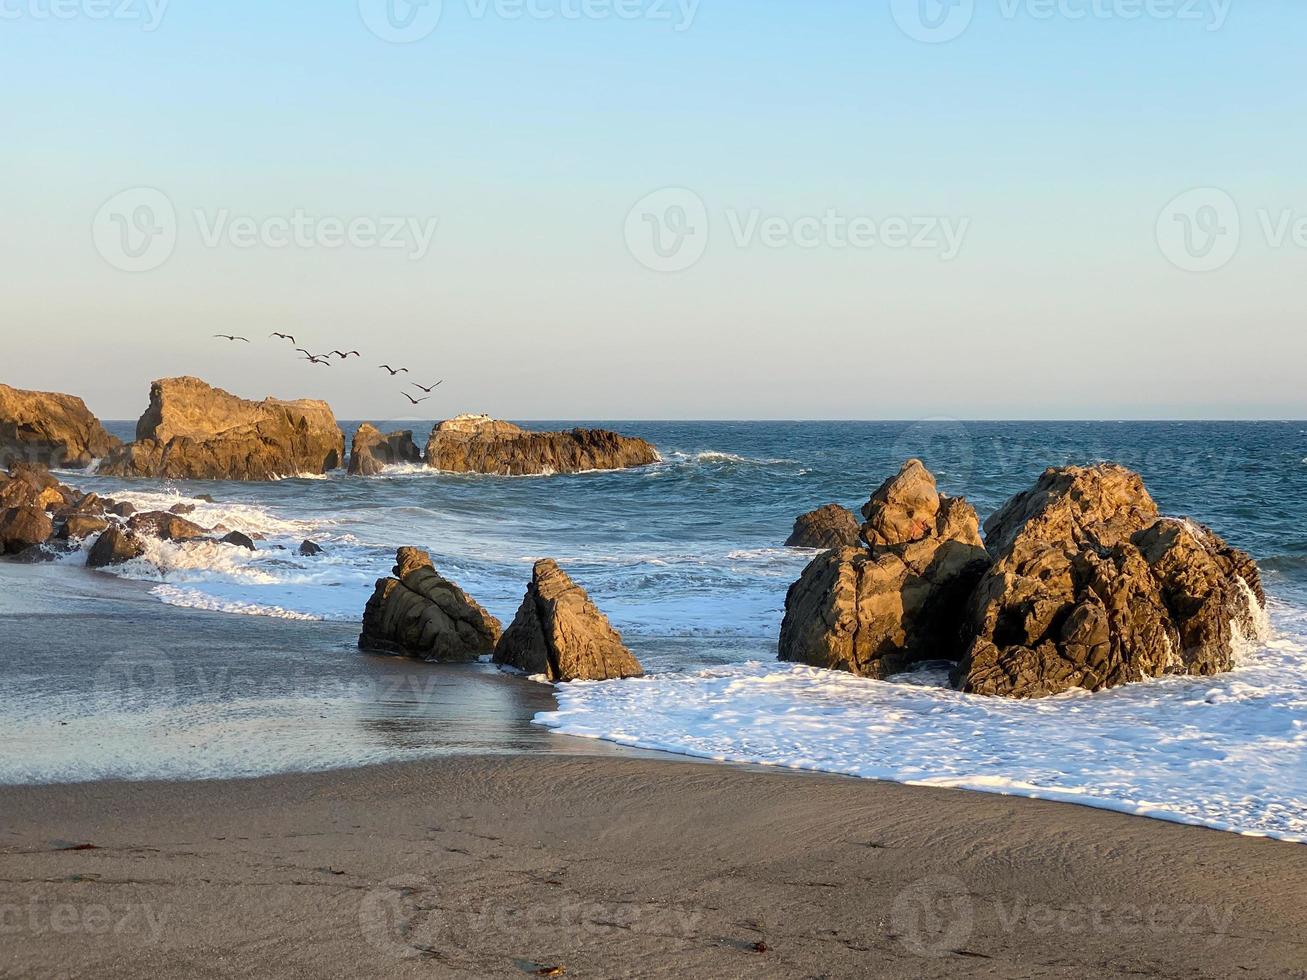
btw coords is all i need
(344, 355)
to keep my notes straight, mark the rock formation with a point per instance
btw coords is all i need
(57, 430)
(114, 547)
(372, 451)
(480, 444)
(831, 526)
(421, 614)
(1091, 588)
(194, 431)
(879, 609)
(23, 527)
(560, 633)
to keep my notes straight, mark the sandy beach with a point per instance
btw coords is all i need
(478, 867)
(519, 850)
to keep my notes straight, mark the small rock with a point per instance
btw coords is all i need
(825, 528)
(239, 540)
(169, 527)
(115, 546)
(122, 509)
(182, 509)
(308, 549)
(36, 554)
(82, 526)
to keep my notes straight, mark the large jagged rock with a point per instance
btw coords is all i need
(114, 547)
(22, 527)
(1092, 588)
(560, 633)
(421, 614)
(831, 526)
(195, 431)
(876, 611)
(372, 451)
(480, 444)
(44, 427)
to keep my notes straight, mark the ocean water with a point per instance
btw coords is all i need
(686, 558)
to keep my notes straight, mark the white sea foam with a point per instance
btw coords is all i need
(195, 599)
(1228, 752)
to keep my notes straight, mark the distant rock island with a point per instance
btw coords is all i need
(194, 431)
(1079, 582)
(480, 444)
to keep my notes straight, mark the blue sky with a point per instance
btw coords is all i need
(506, 155)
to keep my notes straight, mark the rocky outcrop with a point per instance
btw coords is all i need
(56, 430)
(877, 610)
(1092, 588)
(480, 444)
(560, 633)
(372, 451)
(114, 547)
(831, 526)
(23, 527)
(195, 431)
(419, 613)
(80, 526)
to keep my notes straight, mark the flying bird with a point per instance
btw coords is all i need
(415, 401)
(346, 355)
(393, 371)
(315, 359)
(285, 336)
(227, 336)
(425, 388)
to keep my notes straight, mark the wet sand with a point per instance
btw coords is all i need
(521, 851)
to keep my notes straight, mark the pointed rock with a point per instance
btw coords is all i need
(561, 634)
(372, 451)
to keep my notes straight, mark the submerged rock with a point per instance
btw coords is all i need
(371, 452)
(877, 610)
(168, 527)
(831, 526)
(421, 614)
(114, 547)
(44, 427)
(1092, 588)
(23, 527)
(239, 540)
(561, 634)
(480, 444)
(195, 431)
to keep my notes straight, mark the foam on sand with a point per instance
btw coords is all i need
(1226, 752)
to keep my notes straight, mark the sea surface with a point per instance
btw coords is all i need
(686, 557)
